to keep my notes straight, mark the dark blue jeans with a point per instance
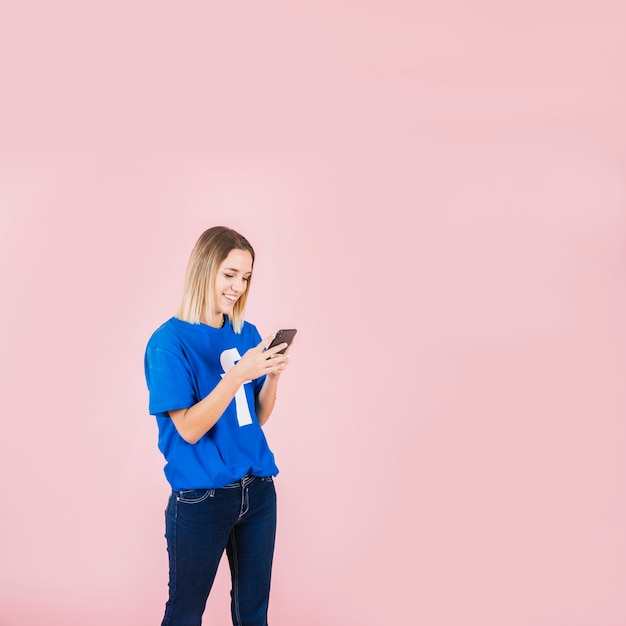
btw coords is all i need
(199, 525)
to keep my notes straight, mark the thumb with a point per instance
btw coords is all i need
(266, 342)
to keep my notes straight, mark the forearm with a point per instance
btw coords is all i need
(196, 421)
(266, 399)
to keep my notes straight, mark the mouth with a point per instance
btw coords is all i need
(231, 298)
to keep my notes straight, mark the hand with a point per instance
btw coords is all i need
(283, 360)
(258, 361)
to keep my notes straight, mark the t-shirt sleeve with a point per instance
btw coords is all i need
(169, 378)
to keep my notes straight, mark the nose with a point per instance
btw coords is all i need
(238, 285)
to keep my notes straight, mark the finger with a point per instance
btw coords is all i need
(266, 342)
(272, 352)
(277, 370)
(279, 365)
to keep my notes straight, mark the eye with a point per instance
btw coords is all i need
(229, 275)
(246, 279)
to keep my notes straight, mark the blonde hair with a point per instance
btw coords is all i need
(211, 249)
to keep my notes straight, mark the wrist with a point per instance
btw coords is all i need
(233, 378)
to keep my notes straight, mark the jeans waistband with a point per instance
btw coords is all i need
(248, 478)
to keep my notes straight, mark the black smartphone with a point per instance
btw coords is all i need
(284, 335)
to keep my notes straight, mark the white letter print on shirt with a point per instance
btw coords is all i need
(228, 358)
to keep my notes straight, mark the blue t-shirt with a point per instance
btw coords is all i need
(183, 364)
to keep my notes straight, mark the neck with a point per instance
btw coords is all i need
(216, 321)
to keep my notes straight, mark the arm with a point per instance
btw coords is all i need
(266, 399)
(267, 396)
(194, 422)
(197, 420)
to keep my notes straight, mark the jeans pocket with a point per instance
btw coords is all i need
(194, 496)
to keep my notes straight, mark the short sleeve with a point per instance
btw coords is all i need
(169, 378)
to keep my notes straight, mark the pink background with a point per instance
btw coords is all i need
(436, 192)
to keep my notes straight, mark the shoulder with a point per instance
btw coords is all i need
(172, 334)
(249, 327)
(249, 331)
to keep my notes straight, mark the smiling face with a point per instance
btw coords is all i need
(214, 281)
(231, 282)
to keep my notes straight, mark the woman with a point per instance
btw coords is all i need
(212, 384)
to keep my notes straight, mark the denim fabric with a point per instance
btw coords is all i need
(199, 525)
